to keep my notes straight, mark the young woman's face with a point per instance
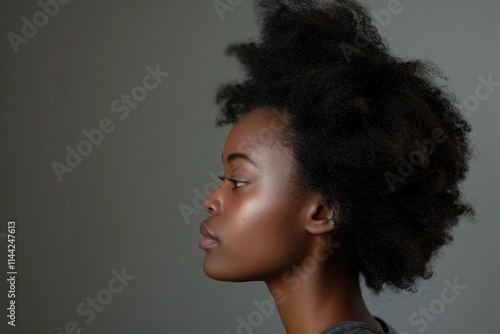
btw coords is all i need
(257, 221)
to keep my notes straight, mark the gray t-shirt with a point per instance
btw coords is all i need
(356, 327)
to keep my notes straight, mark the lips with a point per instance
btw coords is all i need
(206, 232)
(209, 239)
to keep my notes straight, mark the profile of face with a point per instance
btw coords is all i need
(257, 214)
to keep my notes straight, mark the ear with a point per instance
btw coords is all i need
(317, 214)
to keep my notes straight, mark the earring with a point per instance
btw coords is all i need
(330, 218)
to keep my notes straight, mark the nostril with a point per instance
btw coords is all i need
(208, 205)
(211, 204)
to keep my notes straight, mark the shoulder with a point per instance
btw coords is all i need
(356, 327)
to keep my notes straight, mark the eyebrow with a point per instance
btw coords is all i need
(237, 155)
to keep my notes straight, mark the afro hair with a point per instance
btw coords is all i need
(369, 131)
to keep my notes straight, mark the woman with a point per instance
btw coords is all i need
(344, 162)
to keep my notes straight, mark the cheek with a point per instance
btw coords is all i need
(259, 217)
(256, 236)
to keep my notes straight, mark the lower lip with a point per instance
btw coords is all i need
(206, 242)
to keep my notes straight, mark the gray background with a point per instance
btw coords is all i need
(120, 207)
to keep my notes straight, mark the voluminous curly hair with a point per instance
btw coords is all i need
(369, 131)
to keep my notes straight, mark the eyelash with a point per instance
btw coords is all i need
(231, 180)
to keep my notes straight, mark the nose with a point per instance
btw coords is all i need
(212, 204)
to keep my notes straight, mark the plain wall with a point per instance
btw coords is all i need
(119, 208)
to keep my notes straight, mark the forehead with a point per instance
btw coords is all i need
(257, 134)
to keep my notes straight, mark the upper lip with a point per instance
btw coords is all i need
(206, 232)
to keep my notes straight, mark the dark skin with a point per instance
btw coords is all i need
(270, 230)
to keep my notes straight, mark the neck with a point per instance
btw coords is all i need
(311, 300)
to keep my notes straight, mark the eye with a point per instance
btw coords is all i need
(235, 182)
